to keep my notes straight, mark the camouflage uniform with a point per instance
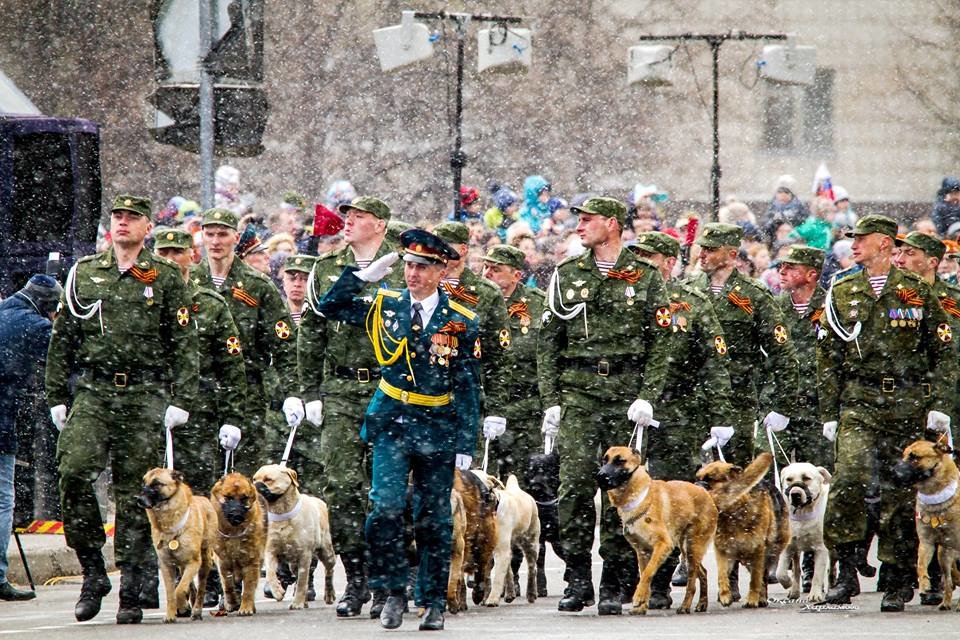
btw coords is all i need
(129, 354)
(878, 387)
(267, 339)
(593, 365)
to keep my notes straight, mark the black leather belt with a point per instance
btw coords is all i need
(362, 374)
(603, 367)
(122, 379)
(894, 384)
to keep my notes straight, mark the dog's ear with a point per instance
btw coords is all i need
(827, 477)
(293, 476)
(942, 445)
(737, 469)
(634, 451)
(176, 476)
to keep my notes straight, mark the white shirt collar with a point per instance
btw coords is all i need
(429, 306)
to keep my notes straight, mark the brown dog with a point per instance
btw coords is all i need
(183, 527)
(657, 517)
(753, 526)
(480, 537)
(930, 468)
(455, 583)
(240, 541)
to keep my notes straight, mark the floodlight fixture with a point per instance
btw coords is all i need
(403, 44)
(650, 64)
(502, 48)
(788, 64)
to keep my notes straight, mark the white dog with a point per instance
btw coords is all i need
(518, 525)
(806, 489)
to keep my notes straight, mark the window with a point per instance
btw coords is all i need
(798, 119)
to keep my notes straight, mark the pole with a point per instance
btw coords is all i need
(206, 106)
(715, 169)
(23, 559)
(458, 159)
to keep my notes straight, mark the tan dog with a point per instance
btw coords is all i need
(183, 527)
(480, 537)
(455, 583)
(806, 489)
(298, 526)
(657, 517)
(517, 525)
(240, 541)
(752, 527)
(930, 468)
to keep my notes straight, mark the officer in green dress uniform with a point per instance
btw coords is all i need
(887, 367)
(423, 415)
(126, 330)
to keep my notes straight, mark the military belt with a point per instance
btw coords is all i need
(361, 374)
(410, 397)
(893, 384)
(122, 379)
(604, 367)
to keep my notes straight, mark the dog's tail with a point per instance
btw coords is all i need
(744, 483)
(512, 483)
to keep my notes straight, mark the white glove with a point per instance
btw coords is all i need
(493, 427)
(378, 269)
(315, 412)
(937, 421)
(174, 417)
(722, 435)
(551, 421)
(229, 437)
(775, 421)
(463, 462)
(59, 416)
(640, 412)
(293, 410)
(830, 430)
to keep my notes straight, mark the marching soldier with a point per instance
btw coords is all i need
(127, 331)
(422, 418)
(486, 300)
(602, 357)
(698, 352)
(337, 366)
(266, 331)
(503, 265)
(886, 356)
(296, 272)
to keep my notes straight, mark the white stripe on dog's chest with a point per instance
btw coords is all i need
(289, 515)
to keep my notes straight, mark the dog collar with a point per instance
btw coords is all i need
(804, 517)
(636, 502)
(180, 525)
(244, 532)
(549, 503)
(940, 496)
(280, 517)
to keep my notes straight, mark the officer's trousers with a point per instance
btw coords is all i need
(197, 451)
(123, 428)
(672, 450)
(510, 453)
(394, 457)
(586, 432)
(865, 457)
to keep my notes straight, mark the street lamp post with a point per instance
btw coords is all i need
(715, 40)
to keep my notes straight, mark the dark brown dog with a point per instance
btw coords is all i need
(240, 541)
(753, 526)
(183, 527)
(930, 468)
(658, 516)
(455, 584)
(480, 537)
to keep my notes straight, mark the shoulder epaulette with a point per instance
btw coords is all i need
(536, 293)
(210, 293)
(569, 260)
(390, 293)
(693, 291)
(91, 257)
(462, 310)
(166, 262)
(909, 275)
(840, 276)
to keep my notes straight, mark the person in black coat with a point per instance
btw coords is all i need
(25, 325)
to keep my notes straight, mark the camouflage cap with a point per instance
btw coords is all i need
(299, 262)
(134, 204)
(601, 206)
(221, 216)
(368, 204)
(718, 234)
(656, 242)
(167, 238)
(930, 245)
(874, 223)
(394, 229)
(455, 232)
(294, 199)
(508, 255)
(805, 256)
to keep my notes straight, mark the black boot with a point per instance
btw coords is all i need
(680, 575)
(376, 606)
(864, 568)
(432, 619)
(150, 583)
(609, 604)
(807, 563)
(848, 584)
(660, 585)
(130, 584)
(10, 593)
(311, 592)
(629, 576)
(213, 589)
(896, 584)
(96, 584)
(935, 595)
(357, 592)
(392, 615)
(735, 581)
(579, 591)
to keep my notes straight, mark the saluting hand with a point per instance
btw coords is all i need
(378, 269)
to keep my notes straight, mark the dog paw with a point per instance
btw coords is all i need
(701, 607)
(197, 615)
(785, 580)
(184, 613)
(816, 596)
(793, 594)
(531, 598)
(329, 597)
(682, 610)
(247, 611)
(725, 599)
(277, 591)
(298, 605)
(639, 609)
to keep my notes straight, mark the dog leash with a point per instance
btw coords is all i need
(169, 455)
(486, 454)
(547, 444)
(286, 452)
(638, 435)
(228, 461)
(771, 438)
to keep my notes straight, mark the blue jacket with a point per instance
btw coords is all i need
(24, 335)
(450, 427)
(533, 212)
